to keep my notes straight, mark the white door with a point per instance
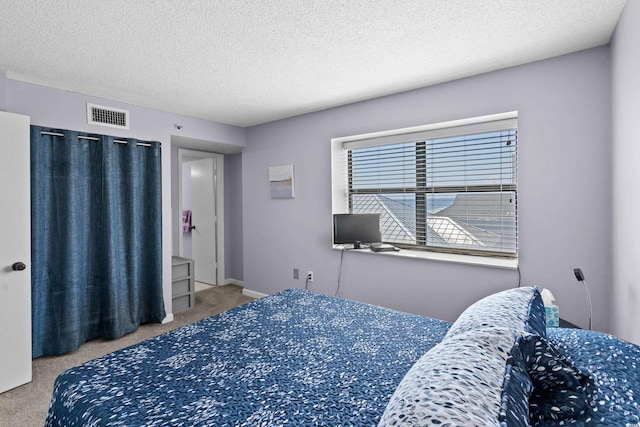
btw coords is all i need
(203, 216)
(15, 247)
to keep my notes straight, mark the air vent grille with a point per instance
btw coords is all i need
(107, 116)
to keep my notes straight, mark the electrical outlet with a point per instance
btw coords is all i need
(310, 276)
(296, 273)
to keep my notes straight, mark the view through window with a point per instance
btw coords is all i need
(453, 192)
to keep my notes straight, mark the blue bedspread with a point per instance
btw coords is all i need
(613, 365)
(301, 358)
(294, 358)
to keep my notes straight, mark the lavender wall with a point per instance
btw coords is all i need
(565, 215)
(186, 204)
(67, 110)
(625, 313)
(233, 217)
(3, 90)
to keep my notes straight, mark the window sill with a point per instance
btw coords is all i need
(506, 263)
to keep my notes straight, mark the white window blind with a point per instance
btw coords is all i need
(450, 189)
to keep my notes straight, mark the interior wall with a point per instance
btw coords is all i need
(564, 195)
(625, 307)
(3, 90)
(186, 205)
(175, 203)
(67, 110)
(233, 218)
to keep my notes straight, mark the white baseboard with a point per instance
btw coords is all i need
(234, 282)
(253, 294)
(246, 292)
(168, 318)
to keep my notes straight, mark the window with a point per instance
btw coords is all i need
(450, 187)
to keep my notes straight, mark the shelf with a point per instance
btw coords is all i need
(182, 284)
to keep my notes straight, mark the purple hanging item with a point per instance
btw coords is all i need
(186, 221)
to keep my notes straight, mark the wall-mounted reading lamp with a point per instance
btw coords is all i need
(580, 277)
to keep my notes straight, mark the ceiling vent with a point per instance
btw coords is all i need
(107, 116)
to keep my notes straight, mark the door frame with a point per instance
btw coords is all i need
(218, 186)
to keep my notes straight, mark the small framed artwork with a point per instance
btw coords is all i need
(281, 182)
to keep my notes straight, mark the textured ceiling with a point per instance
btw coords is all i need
(248, 62)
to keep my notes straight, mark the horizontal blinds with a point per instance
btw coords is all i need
(483, 161)
(486, 160)
(447, 129)
(380, 168)
(453, 192)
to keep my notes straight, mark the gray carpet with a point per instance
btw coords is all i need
(27, 406)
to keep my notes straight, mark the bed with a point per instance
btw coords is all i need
(302, 358)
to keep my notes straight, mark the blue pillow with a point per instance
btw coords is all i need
(516, 389)
(560, 390)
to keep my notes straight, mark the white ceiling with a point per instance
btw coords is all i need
(246, 62)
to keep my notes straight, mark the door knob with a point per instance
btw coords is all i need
(18, 266)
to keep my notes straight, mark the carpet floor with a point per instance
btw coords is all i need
(27, 405)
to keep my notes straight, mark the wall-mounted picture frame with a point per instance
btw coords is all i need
(281, 185)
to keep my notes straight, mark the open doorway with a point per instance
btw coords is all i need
(201, 192)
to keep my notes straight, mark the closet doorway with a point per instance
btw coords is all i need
(201, 191)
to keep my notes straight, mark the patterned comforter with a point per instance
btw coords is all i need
(299, 358)
(613, 365)
(293, 358)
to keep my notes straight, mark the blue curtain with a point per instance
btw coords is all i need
(96, 237)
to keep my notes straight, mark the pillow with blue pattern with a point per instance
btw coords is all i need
(516, 389)
(461, 381)
(560, 390)
(477, 375)
(519, 310)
